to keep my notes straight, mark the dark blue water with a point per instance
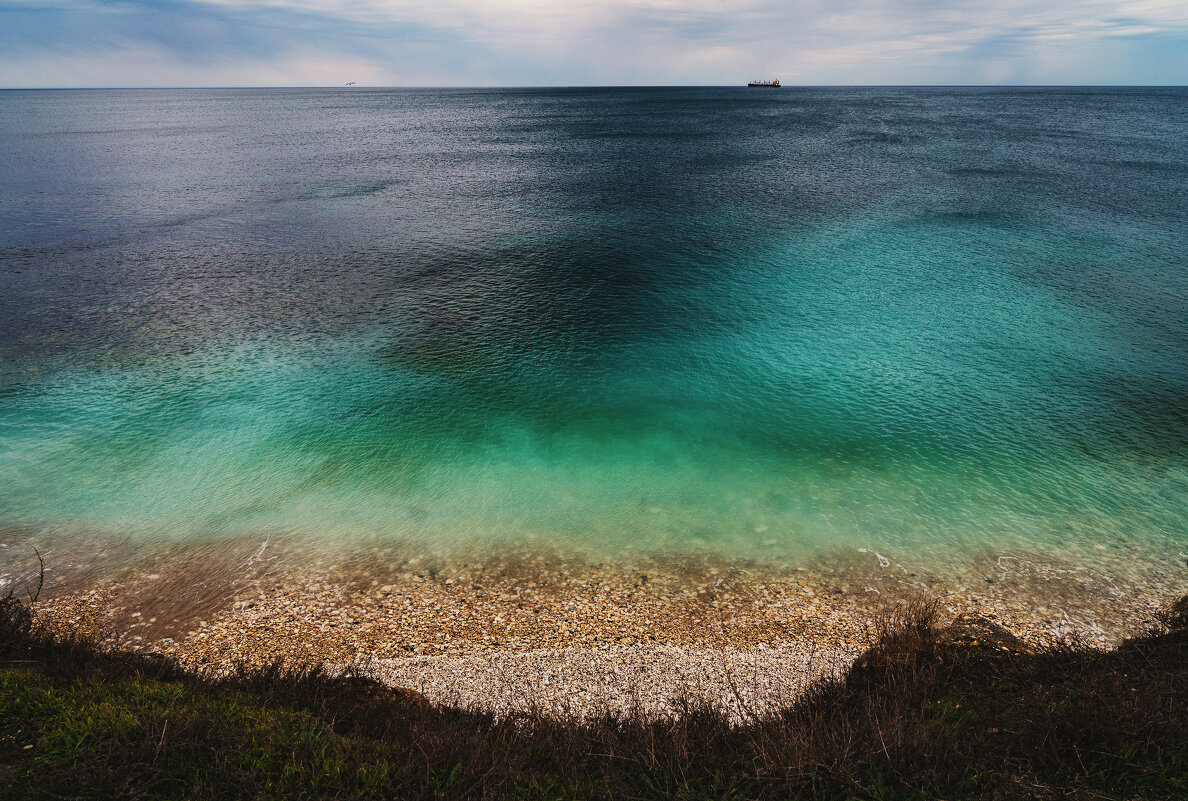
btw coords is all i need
(762, 324)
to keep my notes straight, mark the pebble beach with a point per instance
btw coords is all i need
(558, 633)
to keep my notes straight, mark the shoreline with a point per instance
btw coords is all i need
(561, 634)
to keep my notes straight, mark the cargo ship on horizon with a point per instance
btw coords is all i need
(765, 84)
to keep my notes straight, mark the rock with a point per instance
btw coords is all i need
(970, 630)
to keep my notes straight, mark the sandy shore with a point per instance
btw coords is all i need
(564, 634)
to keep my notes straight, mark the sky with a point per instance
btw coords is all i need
(102, 43)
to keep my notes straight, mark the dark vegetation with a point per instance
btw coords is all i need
(928, 712)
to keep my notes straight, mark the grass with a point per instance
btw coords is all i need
(920, 715)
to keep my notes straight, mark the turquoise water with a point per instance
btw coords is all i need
(934, 323)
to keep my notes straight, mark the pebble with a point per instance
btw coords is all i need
(526, 631)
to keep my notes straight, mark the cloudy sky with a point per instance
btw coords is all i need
(582, 42)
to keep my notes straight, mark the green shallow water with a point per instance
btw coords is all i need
(934, 324)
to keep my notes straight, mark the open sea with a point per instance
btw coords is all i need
(937, 324)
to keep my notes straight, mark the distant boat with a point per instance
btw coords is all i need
(765, 84)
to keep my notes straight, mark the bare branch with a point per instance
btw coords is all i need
(33, 596)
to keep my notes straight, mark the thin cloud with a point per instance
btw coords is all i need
(527, 42)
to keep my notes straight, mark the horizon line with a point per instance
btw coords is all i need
(597, 86)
